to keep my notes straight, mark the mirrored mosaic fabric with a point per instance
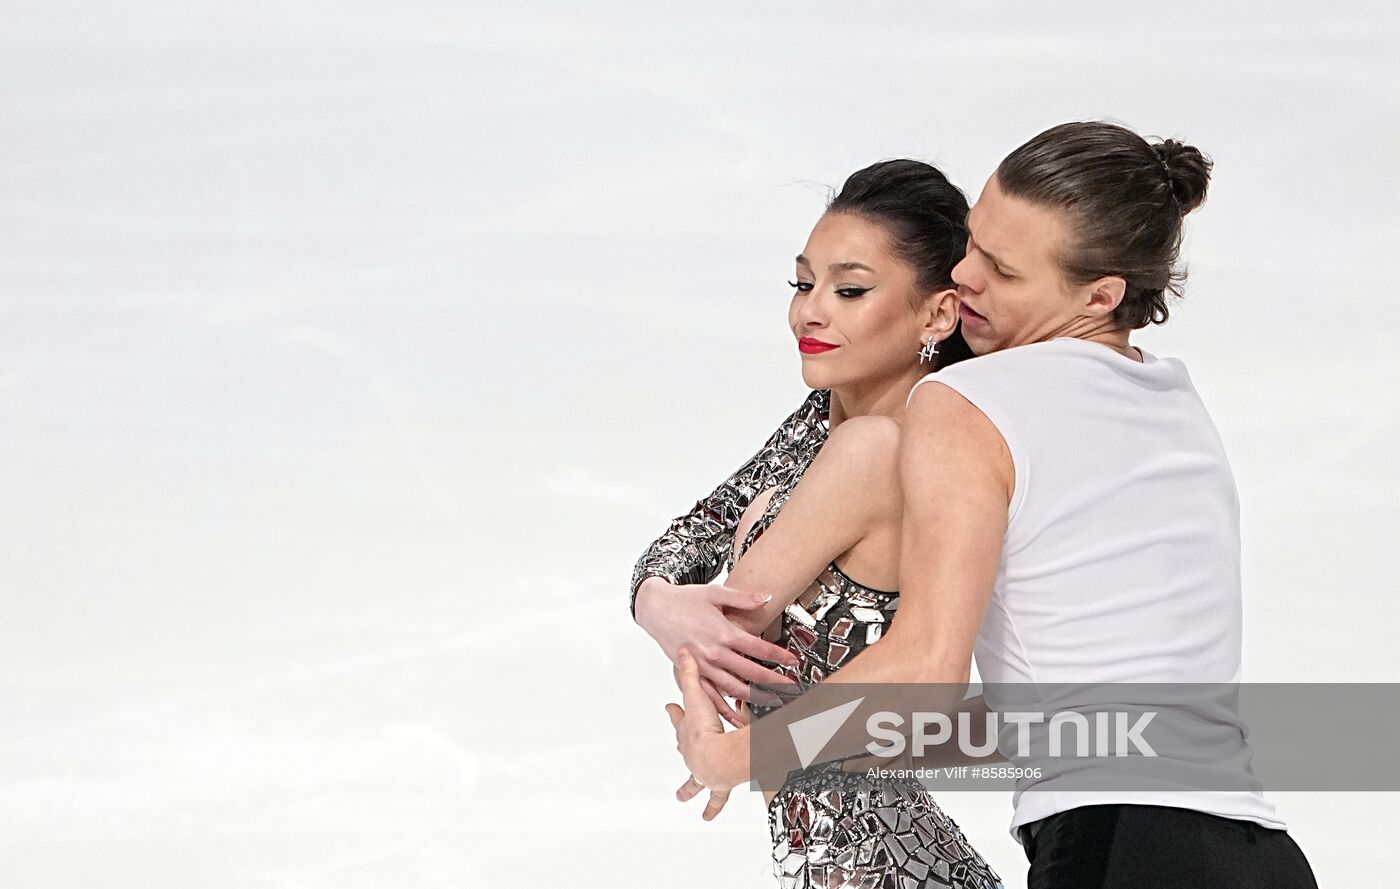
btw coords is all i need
(830, 828)
(843, 829)
(696, 545)
(836, 828)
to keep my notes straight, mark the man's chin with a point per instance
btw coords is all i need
(979, 345)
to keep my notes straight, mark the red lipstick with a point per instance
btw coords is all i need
(809, 346)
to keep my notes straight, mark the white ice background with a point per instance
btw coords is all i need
(350, 352)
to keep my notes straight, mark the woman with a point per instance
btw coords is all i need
(1071, 514)
(815, 518)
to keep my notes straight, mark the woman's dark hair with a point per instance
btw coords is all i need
(1125, 199)
(925, 218)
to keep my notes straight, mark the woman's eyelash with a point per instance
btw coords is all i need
(846, 292)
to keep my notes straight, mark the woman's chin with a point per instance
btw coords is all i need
(813, 378)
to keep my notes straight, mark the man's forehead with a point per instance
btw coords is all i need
(986, 219)
(998, 220)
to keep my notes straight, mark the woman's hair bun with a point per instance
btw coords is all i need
(1188, 171)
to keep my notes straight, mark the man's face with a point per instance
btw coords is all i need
(1010, 282)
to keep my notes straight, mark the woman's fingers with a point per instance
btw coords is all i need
(732, 598)
(750, 671)
(716, 675)
(719, 672)
(726, 682)
(757, 675)
(757, 646)
(730, 715)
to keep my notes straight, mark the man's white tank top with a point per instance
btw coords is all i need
(1121, 562)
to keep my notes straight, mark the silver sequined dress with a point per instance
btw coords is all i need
(829, 827)
(696, 545)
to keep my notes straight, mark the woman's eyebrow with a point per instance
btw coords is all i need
(837, 266)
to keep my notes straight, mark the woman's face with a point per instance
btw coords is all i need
(1010, 282)
(852, 312)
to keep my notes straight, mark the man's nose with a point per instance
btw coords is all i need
(965, 276)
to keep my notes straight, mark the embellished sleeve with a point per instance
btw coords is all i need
(696, 545)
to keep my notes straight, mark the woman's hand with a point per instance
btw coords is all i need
(715, 759)
(693, 616)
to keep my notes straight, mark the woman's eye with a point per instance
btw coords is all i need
(853, 292)
(802, 286)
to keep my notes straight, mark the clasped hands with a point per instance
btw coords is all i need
(700, 618)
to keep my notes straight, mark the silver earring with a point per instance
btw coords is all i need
(929, 350)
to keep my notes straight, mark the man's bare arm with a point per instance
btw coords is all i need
(957, 480)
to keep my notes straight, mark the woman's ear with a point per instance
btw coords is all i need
(941, 317)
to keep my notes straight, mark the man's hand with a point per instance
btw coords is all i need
(713, 761)
(728, 712)
(691, 787)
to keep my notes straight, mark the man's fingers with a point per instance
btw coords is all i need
(693, 696)
(686, 792)
(676, 713)
(717, 800)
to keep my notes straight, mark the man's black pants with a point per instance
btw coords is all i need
(1159, 847)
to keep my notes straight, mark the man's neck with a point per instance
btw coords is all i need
(1115, 338)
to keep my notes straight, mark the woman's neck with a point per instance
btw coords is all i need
(886, 398)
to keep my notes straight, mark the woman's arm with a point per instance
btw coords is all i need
(695, 546)
(672, 598)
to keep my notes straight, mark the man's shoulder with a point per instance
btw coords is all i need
(1029, 354)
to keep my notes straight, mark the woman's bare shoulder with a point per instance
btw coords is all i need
(864, 438)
